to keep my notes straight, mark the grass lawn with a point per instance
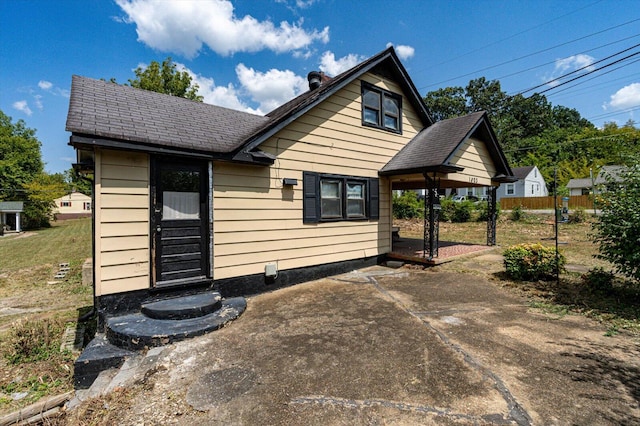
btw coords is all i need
(617, 307)
(35, 309)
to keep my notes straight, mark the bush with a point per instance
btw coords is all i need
(462, 211)
(530, 262)
(447, 208)
(483, 211)
(407, 206)
(517, 214)
(599, 281)
(617, 231)
(579, 215)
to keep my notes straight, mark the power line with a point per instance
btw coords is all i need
(541, 51)
(581, 69)
(589, 87)
(590, 72)
(514, 35)
(614, 113)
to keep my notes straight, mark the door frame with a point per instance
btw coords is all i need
(206, 214)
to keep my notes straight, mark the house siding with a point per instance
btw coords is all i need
(122, 218)
(476, 160)
(77, 208)
(257, 221)
(523, 186)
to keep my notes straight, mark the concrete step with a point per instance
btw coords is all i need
(179, 308)
(137, 331)
(98, 356)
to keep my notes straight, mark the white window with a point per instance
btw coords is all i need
(510, 189)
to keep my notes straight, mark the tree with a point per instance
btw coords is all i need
(20, 158)
(75, 182)
(166, 79)
(446, 103)
(617, 230)
(41, 192)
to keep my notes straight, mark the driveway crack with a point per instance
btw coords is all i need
(516, 412)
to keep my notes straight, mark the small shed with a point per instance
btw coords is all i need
(10, 212)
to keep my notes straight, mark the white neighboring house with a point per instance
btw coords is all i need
(72, 206)
(530, 184)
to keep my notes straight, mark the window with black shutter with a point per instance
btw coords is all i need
(330, 197)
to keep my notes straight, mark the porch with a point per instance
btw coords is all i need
(412, 250)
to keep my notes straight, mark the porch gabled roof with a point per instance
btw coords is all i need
(434, 148)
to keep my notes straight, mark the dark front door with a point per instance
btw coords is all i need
(179, 224)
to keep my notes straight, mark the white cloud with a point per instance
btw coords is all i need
(627, 97)
(333, 67)
(22, 106)
(45, 85)
(404, 52)
(224, 96)
(184, 26)
(272, 88)
(37, 99)
(571, 63)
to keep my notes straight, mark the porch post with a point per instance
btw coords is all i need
(430, 202)
(491, 215)
(425, 227)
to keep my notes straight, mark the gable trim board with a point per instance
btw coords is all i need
(255, 220)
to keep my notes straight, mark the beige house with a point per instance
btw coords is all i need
(72, 206)
(190, 197)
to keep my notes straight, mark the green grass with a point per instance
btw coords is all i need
(618, 309)
(40, 308)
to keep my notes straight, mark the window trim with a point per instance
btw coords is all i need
(65, 203)
(511, 186)
(382, 113)
(312, 203)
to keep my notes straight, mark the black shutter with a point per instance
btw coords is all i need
(311, 202)
(374, 198)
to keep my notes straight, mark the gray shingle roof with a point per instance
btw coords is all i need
(433, 146)
(579, 183)
(11, 206)
(522, 172)
(108, 110)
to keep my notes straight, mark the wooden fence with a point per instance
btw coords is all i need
(538, 203)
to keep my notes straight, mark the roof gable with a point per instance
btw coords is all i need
(522, 172)
(384, 63)
(437, 148)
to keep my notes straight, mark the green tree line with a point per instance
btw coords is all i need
(532, 131)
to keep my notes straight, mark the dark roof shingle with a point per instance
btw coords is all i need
(433, 145)
(102, 109)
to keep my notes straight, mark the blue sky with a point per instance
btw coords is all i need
(253, 55)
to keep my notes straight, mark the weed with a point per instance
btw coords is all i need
(29, 341)
(532, 261)
(550, 308)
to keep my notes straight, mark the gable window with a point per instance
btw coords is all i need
(381, 109)
(65, 203)
(511, 189)
(336, 197)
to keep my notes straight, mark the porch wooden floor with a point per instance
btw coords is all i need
(410, 249)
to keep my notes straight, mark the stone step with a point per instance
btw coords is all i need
(137, 331)
(180, 308)
(99, 355)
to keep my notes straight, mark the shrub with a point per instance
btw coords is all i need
(599, 281)
(617, 231)
(517, 214)
(407, 206)
(579, 215)
(529, 262)
(462, 211)
(447, 208)
(483, 211)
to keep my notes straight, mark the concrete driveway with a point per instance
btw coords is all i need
(389, 347)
